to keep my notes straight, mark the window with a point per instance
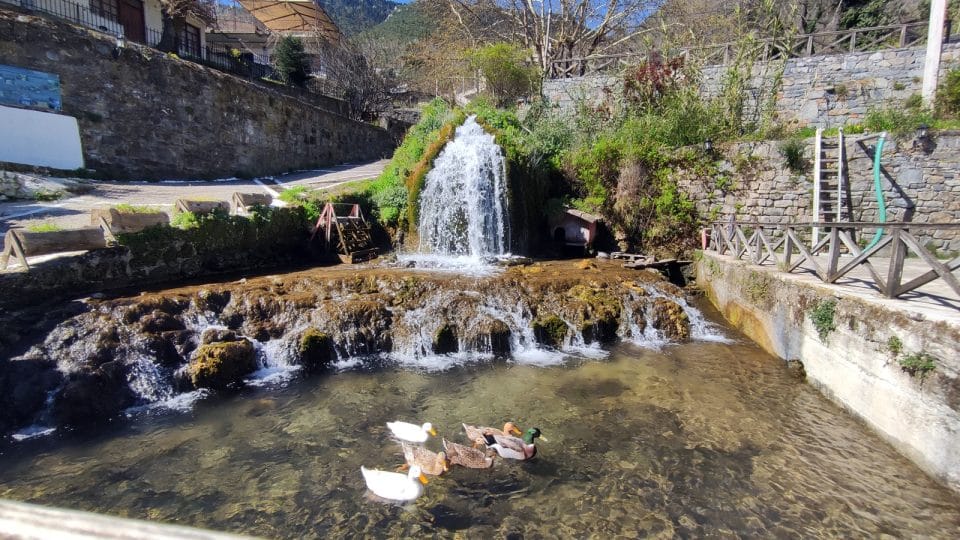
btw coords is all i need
(105, 8)
(190, 41)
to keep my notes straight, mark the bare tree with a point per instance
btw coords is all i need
(555, 30)
(174, 14)
(357, 72)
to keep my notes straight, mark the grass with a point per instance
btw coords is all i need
(46, 196)
(895, 345)
(135, 209)
(918, 364)
(185, 220)
(44, 227)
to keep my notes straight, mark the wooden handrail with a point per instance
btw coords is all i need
(803, 45)
(788, 251)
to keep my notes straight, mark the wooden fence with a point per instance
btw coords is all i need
(786, 246)
(837, 42)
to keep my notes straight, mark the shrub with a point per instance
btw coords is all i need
(185, 220)
(291, 61)
(918, 364)
(822, 317)
(505, 68)
(894, 345)
(793, 151)
(948, 96)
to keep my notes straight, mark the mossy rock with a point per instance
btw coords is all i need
(601, 318)
(445, 340)
(316, 350)
(550, 331)
(670, 319)
(220, 365)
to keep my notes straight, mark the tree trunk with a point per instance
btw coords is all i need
(172, 30)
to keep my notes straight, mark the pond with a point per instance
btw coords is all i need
(695, 439)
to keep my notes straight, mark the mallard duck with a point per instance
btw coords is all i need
(432, 463)
(465, 456)
(478, 432)
(406, 431)
(395, 486)
(512, 447)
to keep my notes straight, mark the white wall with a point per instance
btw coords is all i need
(39, 138)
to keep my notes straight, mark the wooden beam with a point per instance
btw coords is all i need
(895, 272)
(936, 265)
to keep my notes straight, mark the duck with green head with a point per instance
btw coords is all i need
(513, 447)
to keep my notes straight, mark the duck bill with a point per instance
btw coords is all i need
(516, 431)
(544, 439)
(433, 432)
(423, 479)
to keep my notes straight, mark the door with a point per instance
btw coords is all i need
(130, 15)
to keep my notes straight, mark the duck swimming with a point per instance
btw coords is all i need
(515, 448)
(406, 431)
(395, 486)
(466, 456)
(478, 432)
(432, 463)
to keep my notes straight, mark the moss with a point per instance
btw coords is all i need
(220, 365)
(135, 209)
(550, 330)
(757, 287)
(315, 349)
(822, 317)
(670, 319)
(602, 316)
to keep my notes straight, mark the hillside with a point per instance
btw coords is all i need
(355, 16)
(406, 24)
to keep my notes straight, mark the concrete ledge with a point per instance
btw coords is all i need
(21, 520)
(854, 365)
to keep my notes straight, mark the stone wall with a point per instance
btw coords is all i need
(144, 114)
(164, 255)
(827, 90)
(853, 364)
(754, 184)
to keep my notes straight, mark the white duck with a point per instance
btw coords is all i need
(395, 486)
(406, 431)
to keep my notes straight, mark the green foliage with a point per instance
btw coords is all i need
(506, 70)
(899, 120)
(135, 209)
(43, 195)
(894, 345)
(865, 13)
(918, 364)
(793, 151)
(899, 86)
(948, 95)
(353, 16)
(44, 227)
(185, 220)
(291, 61)
(406, 24)
(822, 317)
(389, 191)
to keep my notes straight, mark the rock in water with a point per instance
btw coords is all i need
(316, 350)
(219, 365)
(670, 318)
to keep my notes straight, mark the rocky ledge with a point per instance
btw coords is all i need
(110, 354)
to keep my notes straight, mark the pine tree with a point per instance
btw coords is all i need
(291, 61)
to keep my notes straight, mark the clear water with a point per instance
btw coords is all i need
(692, 440)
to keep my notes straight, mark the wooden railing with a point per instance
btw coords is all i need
(787, 247)
(837, 42)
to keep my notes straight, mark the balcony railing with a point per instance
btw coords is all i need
(220, 57)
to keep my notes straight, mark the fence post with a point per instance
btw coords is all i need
(853, 41)
(895, 273)
(903, 36)
(810, 45)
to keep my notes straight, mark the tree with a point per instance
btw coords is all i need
(174, 14)
(554, 30)
(504, 66)
(291, 61)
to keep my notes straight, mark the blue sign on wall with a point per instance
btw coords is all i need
(27, 88)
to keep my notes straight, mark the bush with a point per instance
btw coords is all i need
(793, 151)
(948, 96)
(505, 68)
(291, 61)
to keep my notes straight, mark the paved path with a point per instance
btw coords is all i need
(75, 211)
(935, 301)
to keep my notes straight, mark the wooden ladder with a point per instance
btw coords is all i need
(829, 179)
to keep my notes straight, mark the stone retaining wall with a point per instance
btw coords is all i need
(147, 115)
(826, 90)
(754, 184)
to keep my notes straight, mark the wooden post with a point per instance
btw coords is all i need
(810, 45)
(931, 66)
(787, 248)
(833, 255)
(903, 36)
(895, 272)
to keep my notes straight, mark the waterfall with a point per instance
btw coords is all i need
(463, 205)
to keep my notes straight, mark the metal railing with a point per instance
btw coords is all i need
(836, 42)
(217, 56)
(785, 246)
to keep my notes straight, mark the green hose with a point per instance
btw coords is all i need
(878, 191)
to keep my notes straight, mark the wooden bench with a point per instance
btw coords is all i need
(23, 243)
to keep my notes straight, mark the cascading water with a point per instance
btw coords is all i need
(464, 216)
